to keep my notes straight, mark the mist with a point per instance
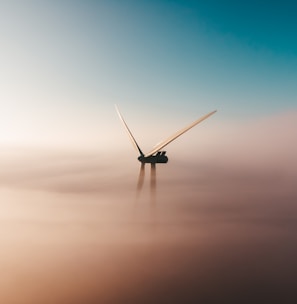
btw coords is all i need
(217, 224)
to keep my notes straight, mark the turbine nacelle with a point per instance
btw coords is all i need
(156, 155)
(159, 158)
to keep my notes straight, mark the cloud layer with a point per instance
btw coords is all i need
(220, 229)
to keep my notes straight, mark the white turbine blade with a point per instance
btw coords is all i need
(179, 133)
(129, 132)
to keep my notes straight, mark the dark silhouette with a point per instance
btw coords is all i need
(156, 155)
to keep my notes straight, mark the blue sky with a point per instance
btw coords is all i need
(68, 173)
(68, 62)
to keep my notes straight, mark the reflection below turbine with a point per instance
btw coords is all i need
(153, 185)
(152, 182)
(140, 178)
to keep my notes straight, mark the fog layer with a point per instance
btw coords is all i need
(218, 226)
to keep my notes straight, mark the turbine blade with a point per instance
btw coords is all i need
(136, 146)
(179, 133)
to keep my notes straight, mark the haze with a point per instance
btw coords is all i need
(74, 231)
(221, 227)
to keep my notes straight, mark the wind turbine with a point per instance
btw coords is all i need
(156, 155)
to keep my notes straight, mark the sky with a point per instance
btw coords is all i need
(219, 224)
(65, 64)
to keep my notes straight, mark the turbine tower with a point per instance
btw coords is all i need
(156, 155)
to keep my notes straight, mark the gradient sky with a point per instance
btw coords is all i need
(222, 224)
(65, 63)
